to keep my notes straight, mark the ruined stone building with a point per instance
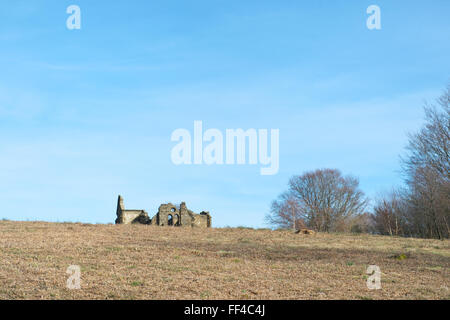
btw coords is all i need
(167, 215)
(130, 216)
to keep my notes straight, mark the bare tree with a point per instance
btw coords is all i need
(431, 145)
(322, 199)
(429, 205)
(390, 214)
(427, 169)
(285, 213)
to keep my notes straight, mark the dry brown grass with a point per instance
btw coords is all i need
(145, 262)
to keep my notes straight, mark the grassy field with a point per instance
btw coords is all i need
(149, 262)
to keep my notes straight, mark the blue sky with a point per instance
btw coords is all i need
(87, 114)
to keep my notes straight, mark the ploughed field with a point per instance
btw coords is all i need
(152, 262)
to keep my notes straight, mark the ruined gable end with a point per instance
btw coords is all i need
(130, 216)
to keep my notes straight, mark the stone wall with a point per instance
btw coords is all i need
(167, 215)
(130, 216)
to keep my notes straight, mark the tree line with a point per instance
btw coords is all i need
(327, 201)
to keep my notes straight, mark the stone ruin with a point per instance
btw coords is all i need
(167, 215)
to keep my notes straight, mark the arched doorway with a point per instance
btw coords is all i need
(170, 220)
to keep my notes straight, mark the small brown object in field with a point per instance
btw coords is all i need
(305, 231)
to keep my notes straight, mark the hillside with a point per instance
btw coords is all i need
(149, 262)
